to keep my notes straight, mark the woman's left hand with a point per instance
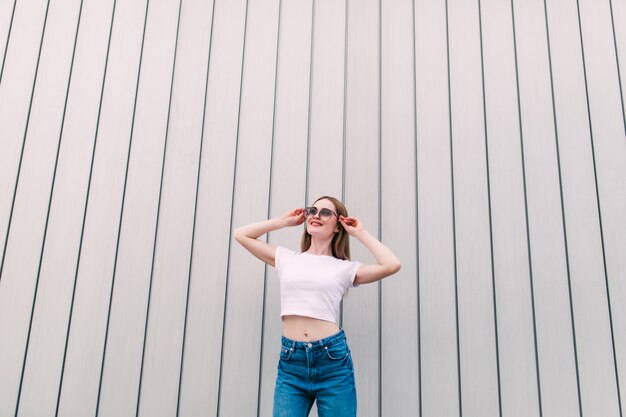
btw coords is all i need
(352, 225)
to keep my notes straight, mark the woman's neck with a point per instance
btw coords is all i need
(320, 247)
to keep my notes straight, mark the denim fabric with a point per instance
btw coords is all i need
(320, 370)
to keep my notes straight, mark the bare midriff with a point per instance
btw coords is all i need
(307, 329)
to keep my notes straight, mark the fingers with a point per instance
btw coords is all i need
(294, 217)
(349, 221)
(299, 213)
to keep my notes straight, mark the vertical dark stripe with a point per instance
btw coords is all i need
(6, 46)
(158, 216)
(308, 137)
(45, 232)
(380, 237)
(195, 213)
(269, 208)
(48, 215)
(528, 243)
(619, 73)
(595, 178)
(56, 413)
(119, 229)
(345, 107)
(493, 272)
(456, 289)
(558, 159)
(19, 167)
(417, 228)
(232, 203)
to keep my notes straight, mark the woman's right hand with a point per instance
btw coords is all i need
(293, 218)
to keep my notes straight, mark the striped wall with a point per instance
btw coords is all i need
(484, 141)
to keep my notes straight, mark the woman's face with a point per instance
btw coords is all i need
(322, 228)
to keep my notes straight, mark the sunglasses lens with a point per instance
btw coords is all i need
(325, 214)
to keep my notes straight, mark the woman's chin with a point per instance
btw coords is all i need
(317, 232)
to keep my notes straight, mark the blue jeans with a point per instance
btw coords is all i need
(320, 370)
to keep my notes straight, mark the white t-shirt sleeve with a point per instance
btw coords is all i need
(354, 267)
(282, 257)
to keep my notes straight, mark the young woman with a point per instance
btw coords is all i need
(315, 361)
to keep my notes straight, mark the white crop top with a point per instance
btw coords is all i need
(312, 285)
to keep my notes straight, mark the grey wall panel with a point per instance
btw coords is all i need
(214, 206)
(219, 159)
(186, 126)
(601, 68)
(164, 333)
(439, 383)
(244, 315)
(16, 90)
(588, 291)
(7, 13)
(80, 391)
(124, 350)
(618, 17)
(43, 372)
(555, 349)
(399, 319)
(24, 243)
(271, 325)
(149, 146)
(289, 161)
(361, 317)
(609, 149)
(326, 112)
(194, 380)
(472, 221)
(514, 304)
(248, 275)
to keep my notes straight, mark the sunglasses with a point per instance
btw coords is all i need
(324, 213)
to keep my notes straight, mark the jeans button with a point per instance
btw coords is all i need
(310, 345)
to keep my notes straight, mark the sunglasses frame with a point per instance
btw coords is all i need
(309, 215)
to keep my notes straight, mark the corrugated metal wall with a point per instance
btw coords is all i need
(482, 140)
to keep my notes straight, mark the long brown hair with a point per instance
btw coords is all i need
(341, 241)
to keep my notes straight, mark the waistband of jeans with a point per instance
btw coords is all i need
(339, 337)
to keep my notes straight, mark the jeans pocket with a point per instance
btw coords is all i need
(337, 352)
(285, 353)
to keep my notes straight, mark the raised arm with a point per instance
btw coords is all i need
(387, 262)
(248, 235)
